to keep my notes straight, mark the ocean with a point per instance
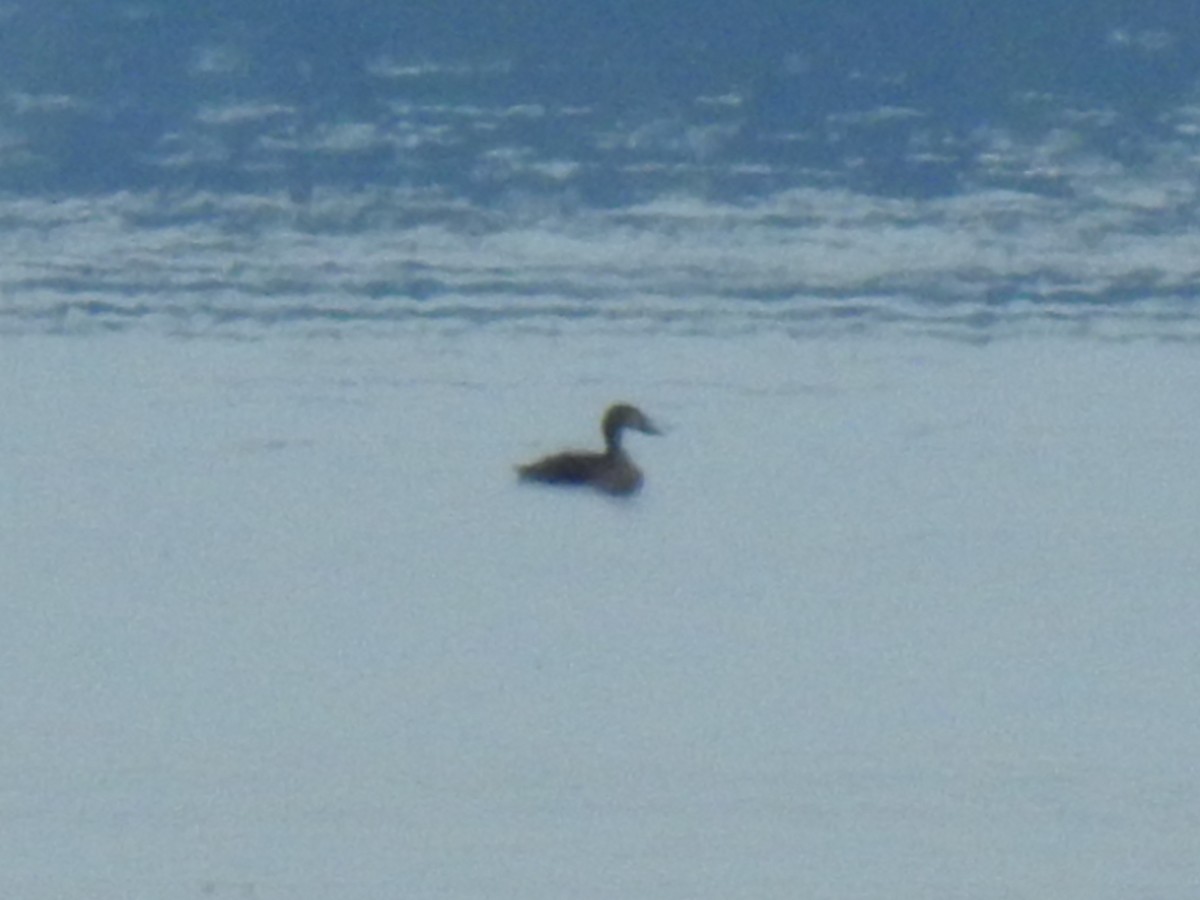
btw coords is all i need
(907, 606)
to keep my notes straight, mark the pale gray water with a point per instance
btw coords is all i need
(893, 618)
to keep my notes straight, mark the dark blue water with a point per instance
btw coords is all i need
(101, 95)
(1056, 140)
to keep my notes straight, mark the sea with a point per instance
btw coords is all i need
(908, 607)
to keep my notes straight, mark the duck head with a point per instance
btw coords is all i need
(621, 416)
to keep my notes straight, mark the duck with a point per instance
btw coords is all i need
(611, 472)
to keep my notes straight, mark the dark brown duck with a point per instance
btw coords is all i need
(612, 471)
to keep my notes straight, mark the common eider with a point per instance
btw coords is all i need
(611, 472)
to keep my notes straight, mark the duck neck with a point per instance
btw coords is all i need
(612, 440)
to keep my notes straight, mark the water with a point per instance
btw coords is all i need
(689, 170)
(907, 607)
(806, 263)
(913, 618)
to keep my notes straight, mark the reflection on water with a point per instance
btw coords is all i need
(976, 266)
